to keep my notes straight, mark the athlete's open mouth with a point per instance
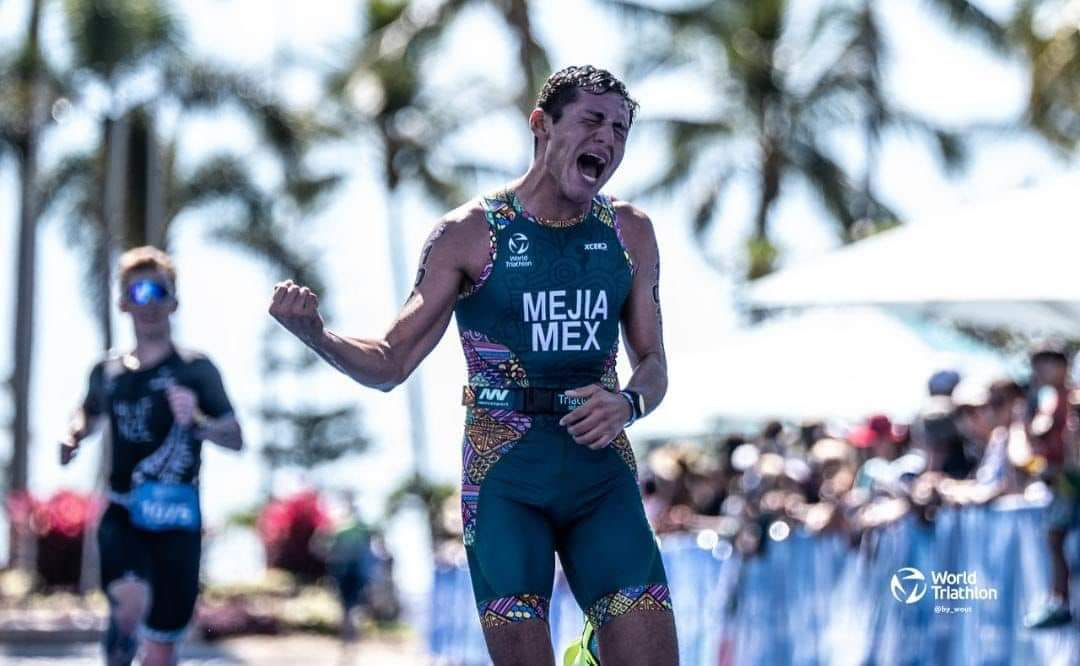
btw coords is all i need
(591, 166)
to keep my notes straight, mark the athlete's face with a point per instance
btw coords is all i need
(148, 296)
(584, 148)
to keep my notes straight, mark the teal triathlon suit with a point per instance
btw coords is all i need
(147, 445)
(543, 318)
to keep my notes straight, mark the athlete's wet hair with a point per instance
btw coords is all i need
(562, 87)
(146, 258)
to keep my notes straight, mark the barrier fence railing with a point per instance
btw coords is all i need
(814, 600)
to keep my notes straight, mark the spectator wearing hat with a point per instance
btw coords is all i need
(878, 442)
(942, 383)
(939, 434)
(1052, 433)
(1000, 412)
(986, 417)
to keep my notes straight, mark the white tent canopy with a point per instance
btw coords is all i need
(1003, 263)
(825, 363)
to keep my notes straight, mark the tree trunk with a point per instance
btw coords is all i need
(414, 387)
(531, 57)
(112, 219)
(155, 191)
(19, 465)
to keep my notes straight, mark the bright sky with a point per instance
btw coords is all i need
(223, 295)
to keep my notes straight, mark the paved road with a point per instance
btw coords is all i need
(286, 651)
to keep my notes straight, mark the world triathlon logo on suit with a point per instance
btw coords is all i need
(518, 245)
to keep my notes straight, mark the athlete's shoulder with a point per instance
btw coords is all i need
(634, 224)
(468, 217)
(629, 213)
(463, 226)
(112, 361)
(188, 355)
(194, 359)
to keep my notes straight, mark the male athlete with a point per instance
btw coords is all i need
(541, 275)
(161, 403)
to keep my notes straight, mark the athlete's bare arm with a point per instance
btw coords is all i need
(453, 257)
(642, 323)
(601, 418)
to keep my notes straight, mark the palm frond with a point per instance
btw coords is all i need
(969, 18)
(686, 140)
(708, 206)
(690, 15)
(309, 192)
(109, 37)
(269, 243)
(222, 177)
(75, 175)
(847, 203)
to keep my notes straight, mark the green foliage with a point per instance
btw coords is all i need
(779, 110)
(432, 496)
(762, 256)
(1053, 52)
(111, 35)
(306, 437)
(382, 13)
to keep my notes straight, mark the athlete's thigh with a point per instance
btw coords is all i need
(610, 556)
(511, 560)
(122, 551)
(175, 583)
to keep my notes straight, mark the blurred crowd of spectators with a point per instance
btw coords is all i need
(971, 444)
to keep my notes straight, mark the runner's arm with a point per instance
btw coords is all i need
(385, 362)
(224, 431)
(86, 418)
(642, 323)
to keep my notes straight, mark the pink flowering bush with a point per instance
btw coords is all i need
(58, 526)
(286, 527)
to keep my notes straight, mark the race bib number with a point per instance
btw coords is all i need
(158, 506)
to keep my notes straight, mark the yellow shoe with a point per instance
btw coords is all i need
(585, 652)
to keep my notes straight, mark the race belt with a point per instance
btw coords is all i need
(525, 400)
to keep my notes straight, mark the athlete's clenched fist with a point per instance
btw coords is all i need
(297, 309)
(599, 420)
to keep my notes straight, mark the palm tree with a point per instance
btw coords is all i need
(780, 113)
(21, 122)
(381, 93)
(128, 190)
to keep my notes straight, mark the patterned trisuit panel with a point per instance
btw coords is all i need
(545, 314)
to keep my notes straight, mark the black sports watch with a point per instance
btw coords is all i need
(637, 406)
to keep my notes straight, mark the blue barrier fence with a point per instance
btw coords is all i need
(810, 600)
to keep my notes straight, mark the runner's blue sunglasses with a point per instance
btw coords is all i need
(143, 292)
